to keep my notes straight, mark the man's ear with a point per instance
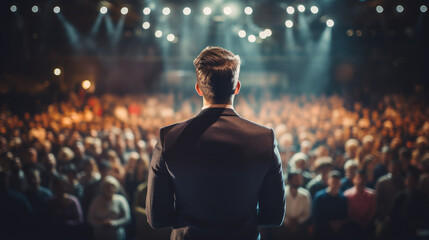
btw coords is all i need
(198, 89)
(237, 88)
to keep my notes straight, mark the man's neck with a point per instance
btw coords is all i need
(228, 104)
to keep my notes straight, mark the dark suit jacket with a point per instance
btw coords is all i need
(216, 176)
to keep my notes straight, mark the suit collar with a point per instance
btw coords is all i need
(218, 111)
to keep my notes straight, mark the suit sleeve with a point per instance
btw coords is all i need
(272, 201)
(160, 194)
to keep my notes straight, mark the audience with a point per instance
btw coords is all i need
(62, 157)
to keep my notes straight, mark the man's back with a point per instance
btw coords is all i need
(209, 174)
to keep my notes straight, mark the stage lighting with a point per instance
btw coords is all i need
(146, 25)
(330, 23)
(314, 9)
(399, 8)
(124, 10)
(103, 10)
(289, 23)
(171, 37)
(290, 10)
(158, 33)
(423, 8)
(242, 33)
(227, 11)
(13, 8)
(349, 32)
(248, 10)
(57, 9)
(251, 38)
(301, 8)
(379, 9)
(166, 11)
(57, 71)
(359, 33)
(146, 11)
(207, 11)
(186, 11)
(262, 35)
(35, 8)
(268, 32)
(86, 84)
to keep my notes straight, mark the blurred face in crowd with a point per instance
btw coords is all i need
(334, 184)
(31, 155)
(359, 181)
(296, 181)
(108, 190)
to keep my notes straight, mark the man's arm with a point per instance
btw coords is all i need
(160, 193)
(272, 202)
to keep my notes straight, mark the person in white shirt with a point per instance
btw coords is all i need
(298, 210)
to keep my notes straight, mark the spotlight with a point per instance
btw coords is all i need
(86, 84)
(301, 8)
(146, 11)
(146, 25)
(290, 10)
(423, 8)
(349, 32)
(314, 9)
(124, 10)
(35, 8)
(251, 38)
(166, 11)
(186, 11)
(171, 37)
(268, 32)
(289, 23)
(158, 33)
(242, 33)
(57, 9)
(359, 33)
(248, 10)
(262, 35)
(13, 8)
(399, 8)
(207, 11)
(330, 23)
(379, 9)
(57, 71)
(103, 10)
(227, 11)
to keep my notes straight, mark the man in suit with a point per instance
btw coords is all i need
(217, 175)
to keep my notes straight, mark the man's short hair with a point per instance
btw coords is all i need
(217, 72)
(335, 174)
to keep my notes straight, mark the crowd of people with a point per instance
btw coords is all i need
(78, 170)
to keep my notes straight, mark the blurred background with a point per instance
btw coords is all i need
(85, 86)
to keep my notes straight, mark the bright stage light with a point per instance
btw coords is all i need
(349, 32)
(186, 11)
(146, 25)
(242, 33)
(251, 38)
(13, 8)
(166, 11)
(146, 11)
(423, 8)
(314, 9)
(86, 84)
(379, 9)
(158, 33)
(262, 35)
(227, 11)
(171, 37)
(207, 11)
(35, 8)
(289, 23)
(301, 8)
(103, 10)
(330, 23)
(290, 10)
(57, 71)
(124, 10)
(268, 32)
(399, 8)
(57, 9)
(248, 10)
